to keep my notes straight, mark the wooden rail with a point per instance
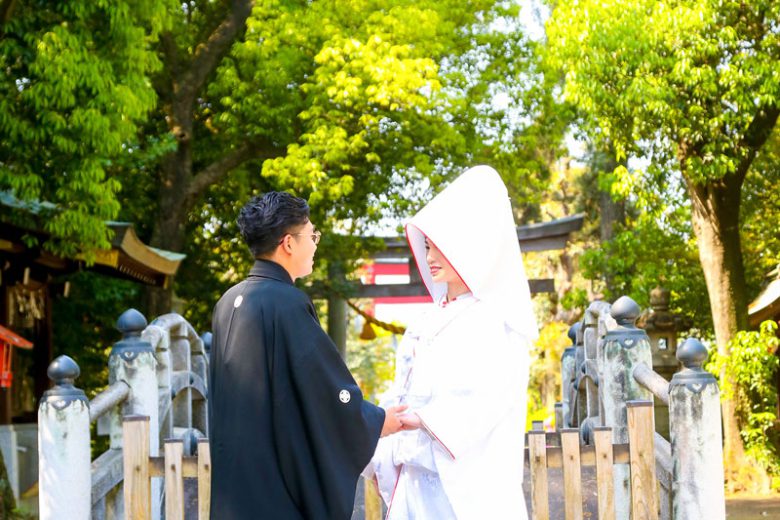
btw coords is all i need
(174, 467)
(603, 455)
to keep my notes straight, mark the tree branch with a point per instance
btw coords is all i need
(756, 135)
(209, 53)
(170, 52)
(761, 127)
(217, 170)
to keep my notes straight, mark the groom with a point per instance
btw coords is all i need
(289, 429)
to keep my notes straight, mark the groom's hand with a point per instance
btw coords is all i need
(392, 422)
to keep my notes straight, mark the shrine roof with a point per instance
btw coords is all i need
(766, 306)
(128, 256)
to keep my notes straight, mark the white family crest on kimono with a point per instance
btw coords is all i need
(463, 367)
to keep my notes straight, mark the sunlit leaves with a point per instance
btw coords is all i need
(690, 74)
(74, 88)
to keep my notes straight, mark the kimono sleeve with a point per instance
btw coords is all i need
(486, 377)
(326, 431)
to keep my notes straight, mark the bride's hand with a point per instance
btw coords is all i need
(410, 421)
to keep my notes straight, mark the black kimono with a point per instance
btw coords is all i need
(289, 429)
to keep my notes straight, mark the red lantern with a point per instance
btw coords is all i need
(9, 340)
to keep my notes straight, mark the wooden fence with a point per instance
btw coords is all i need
(564, 450)
(140, 467)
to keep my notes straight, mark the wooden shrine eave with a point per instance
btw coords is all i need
(549, 236)
(134, 259)
(127, 258)
(766, 306)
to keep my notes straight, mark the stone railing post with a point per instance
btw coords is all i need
(594, 326)
(132, 361)
(199, 362)
(568, 362)
(64, 476)
(622, 349)
(181, 363)
(695, 432)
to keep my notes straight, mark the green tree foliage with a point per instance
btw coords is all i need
(654, 246)
(544, 387)
(74, 85)
(691, 86)
(752, 366)
(362, 108)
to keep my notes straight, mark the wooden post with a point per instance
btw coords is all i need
(572, 474)
(644, 486)
(204, 479)
(602, 437)
(695, 431)
(64, 475)
(540, 509)
(623, 348)
(373, 501)
(174, 480)
(137, 488)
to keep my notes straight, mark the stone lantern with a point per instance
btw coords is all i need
(662, 327)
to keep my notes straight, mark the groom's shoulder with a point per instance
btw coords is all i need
(280, 296)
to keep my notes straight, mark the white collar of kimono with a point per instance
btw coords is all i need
(471, 223)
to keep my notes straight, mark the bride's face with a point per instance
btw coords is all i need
(441, 270)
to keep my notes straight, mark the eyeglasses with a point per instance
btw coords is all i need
(315, 237)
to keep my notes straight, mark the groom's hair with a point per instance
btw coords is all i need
(264, 220)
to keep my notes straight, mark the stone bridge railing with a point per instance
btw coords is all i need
(610, 363)
(159, 371)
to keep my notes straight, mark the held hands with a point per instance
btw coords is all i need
(410, 421)
(396, 420)
(393, 420)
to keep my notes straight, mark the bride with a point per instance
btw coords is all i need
(463, 367)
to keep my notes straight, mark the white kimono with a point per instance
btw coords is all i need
(463, 368)
(465, 374)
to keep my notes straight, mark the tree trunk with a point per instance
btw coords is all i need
(173, 204)
(611, 212)
(715, 217)
(186, 75)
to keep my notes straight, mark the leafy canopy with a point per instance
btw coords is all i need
(74, 85)
(681, 79)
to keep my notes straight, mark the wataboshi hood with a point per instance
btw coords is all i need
(471, 223)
